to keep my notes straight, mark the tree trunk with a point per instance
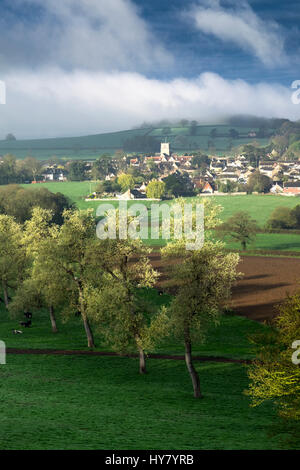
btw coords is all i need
(86, 323)
(5, 294)
(53, 320)
(192, 371)
(89, 333)
(142, 361)
(244, 246)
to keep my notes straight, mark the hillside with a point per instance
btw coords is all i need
(213, 138)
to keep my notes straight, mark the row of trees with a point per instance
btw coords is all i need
(19, 171)
(68, 270)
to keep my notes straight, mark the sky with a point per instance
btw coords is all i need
(80, 67)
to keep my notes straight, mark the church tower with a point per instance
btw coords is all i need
(165, 149)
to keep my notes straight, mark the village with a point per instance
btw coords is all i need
(197, 174)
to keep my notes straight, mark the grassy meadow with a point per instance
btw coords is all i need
(260, 207)
(100, 402)
(92, 146)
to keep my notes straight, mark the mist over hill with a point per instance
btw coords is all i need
(184, 136)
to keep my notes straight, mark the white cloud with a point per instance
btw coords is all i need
(240, 25)
(90, 34)
(56, 103)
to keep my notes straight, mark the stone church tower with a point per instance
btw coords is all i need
(165, 149)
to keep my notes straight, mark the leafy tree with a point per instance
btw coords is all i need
(240, 228)
(281, 218)
(155, 189)
(274, 376)
(71, 254)
(233, 134)
(119, 307)
(179, 185)
(10, 137)
(200, 161)
(204, 279)
(12, 255)
(8, 169)
(76, 170)
(102, 167)
(259, 183)
(126, 182)
(228, 187)
(213, 133)
(19, 202)
(295, 216)
(108, 187)
(193, 128)
(33, 167)
(41, 286)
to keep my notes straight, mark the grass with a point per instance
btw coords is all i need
(66, 402)
(260, 207)
(230, 339)
(90, 402)
(92, 146)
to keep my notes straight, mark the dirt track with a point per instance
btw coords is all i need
(265, 283)
(59, 352)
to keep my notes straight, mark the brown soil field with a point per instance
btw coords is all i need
(265, 283)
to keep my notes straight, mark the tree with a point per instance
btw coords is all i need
(76, 170)
(19, 202)
(193, 128)
(41, 286)
(155, 190)
(240, 228)
(70, 257)
(8, 169)
(126, 181)
(119, 307)
(295, 215)
(200, 161)
(12, 255)
(281, 218)
(259, 183)
(179, 185)
(213, 133)
(274, 376)
(33, 167)
(10, 137)
(108, 187)
(204, 279)
(102, 167)
(228, 187)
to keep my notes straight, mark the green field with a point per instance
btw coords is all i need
(89, 402)
(65, 402)
(259, 207)
(92, 146)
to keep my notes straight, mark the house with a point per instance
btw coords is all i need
(131, 194)
(276, 189)
(226, 176)
(207, 189)
(292, 188)
(53, 174)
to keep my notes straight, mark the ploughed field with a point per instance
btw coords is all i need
(265, 283)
